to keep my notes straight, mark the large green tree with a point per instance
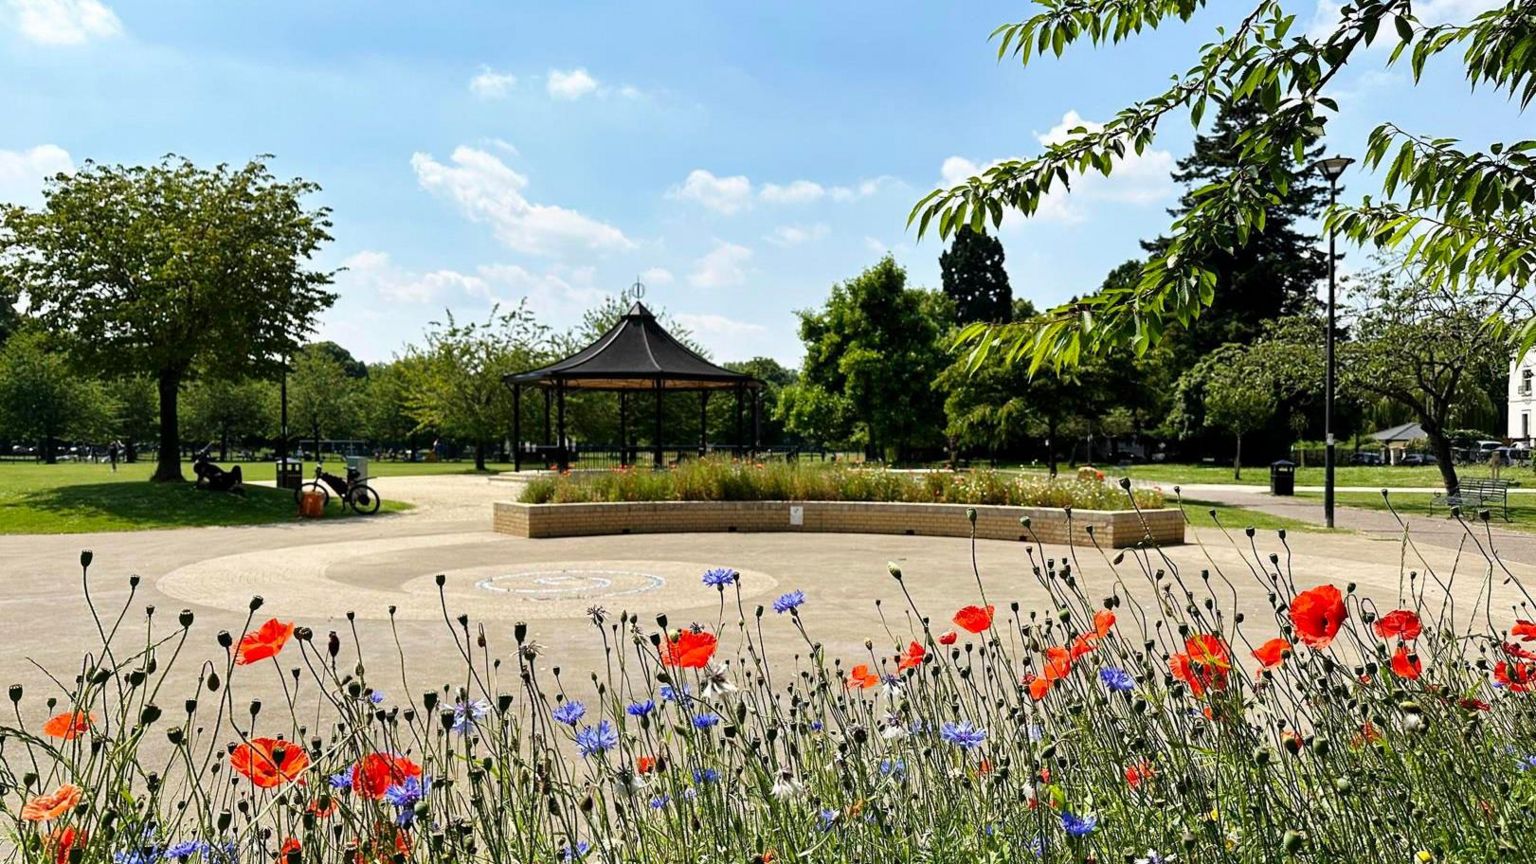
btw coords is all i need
(454, 381)
(974, 279)
(1460, 214)
(44, 400)
(168, 269)
(228, 411)
(871, 354)
(136, 411)
(324, 401)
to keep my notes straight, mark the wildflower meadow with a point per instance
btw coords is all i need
(1140, 718)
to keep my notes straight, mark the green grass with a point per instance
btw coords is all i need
(72, 498)
(1399, 477)
(1522, 508)
(1238, 518)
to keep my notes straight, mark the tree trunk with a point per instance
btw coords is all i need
(1441, 446)
(168, 460)
(479, 455)
(130, 452)
(224, 446)
(1050, 447)
(1237, 460)
(50, 451)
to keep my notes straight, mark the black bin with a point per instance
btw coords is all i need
(1282, 478)
(290, 473)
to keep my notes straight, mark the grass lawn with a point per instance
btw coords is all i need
(1375, 476)
(1522, 509)
(71, 498)
(1239, 518)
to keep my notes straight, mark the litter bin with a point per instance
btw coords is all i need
(360, 464)
(290, 473)
(1282, 478)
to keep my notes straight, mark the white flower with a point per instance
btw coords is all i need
(787, 787)
(716, 682)
(894, 732)
(1153, 857)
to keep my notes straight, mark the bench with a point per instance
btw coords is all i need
(1476, 494)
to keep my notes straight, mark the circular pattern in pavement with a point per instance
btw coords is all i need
(373, 577)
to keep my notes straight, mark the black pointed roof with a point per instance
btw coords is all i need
(635, 354)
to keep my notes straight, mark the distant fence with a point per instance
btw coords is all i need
(613, 456)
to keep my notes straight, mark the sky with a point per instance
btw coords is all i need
(738, 159)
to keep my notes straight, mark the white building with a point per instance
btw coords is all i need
(1522, 399)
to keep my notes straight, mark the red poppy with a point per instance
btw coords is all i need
(1402, 623)
(1272, 653)
(1292, 741)
(1526, 630)
(1518, 652)
(912, 658)
(1474, 705)
(1208, 649)
(322, 811)
(383, 847)
(645, 764)
(62, 840)
(1515, 677)
(53, 805)
(1058, 662)
(1406, 665)
(1317, 614)
(984, 767)
(376, 772)
(269, 762)
(692, 649)
(1138, 773)
(949, 638)
(1103, 622)
(974, 618)
(69, 725)
(290, 845)
(1203, 665)
(1038, 686)
(263, 642)
(860, 678)
(1369, 734)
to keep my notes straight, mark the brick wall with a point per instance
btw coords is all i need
(1112, 529)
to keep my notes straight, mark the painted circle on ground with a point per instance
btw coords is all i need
(583, 583)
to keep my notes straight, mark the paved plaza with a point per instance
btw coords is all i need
(316, 573)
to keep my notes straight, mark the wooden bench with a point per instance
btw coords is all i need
(1476, 494)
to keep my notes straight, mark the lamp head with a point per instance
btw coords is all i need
(1333, 167)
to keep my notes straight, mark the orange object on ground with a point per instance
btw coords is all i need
(312, 505)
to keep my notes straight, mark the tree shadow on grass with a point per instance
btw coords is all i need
(132, 506)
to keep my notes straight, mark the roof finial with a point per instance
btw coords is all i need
(637, 290)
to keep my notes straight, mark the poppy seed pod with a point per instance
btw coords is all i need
(149, 715)
(333, 644)
(213, 681)
(970, 515)
(894, 570)
(85, 557)
(185, 618)
(1024, 521)
(520, 631)
(15, 693)
(303, 634)
(256, 602)
(1291, 842)
(429, 699)
(255, 707)
(441, 579)
(225, 640)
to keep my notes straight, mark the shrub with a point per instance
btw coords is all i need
(1325, 729)
(715, 479)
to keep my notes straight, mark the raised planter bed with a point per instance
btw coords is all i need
(1109, 528)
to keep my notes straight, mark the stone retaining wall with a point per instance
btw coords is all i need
(1111, 528)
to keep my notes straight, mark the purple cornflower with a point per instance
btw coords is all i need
(640, 709)
(573, 853)
(1527, 763)
(569, 713)
(705, 775)
(341, 781)
(705, 721)
(674, 694)
(465, 713)
(789, 602)
(719, 577)
(593, 740)
(404, 796)
(1117, 680)
(963, 735)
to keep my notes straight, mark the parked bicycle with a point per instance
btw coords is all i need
(353, 491)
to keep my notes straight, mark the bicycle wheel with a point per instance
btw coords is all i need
(312, 486)
(363, 499)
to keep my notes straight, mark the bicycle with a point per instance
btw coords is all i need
(353, 491)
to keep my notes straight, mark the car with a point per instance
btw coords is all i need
(1419, 459)
(1367, 457)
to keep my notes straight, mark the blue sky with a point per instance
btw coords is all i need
(740, 158)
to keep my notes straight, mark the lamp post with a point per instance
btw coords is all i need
(1331, 168)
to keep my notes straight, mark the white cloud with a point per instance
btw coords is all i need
(22, 172)
(488, 191)
(657, 276)
(558, 294)
(795, 235)
(374, 271)
(490, 84)
(64, 22)
(570, 85)
(863, 189)
(1137, 179)
(796, 192)
(1430, 12)
(718, 325)
(723, 267)
(722, 194)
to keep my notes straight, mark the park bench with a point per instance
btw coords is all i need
(1476, 494)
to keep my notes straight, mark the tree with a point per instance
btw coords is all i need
(1425, 346)
(974, 278)
(170, 269)
(1238, 396)
(42, 399)
(386, 408)
(1275, 272)
(323, 400)
(1461, 215)
(221, 410)
(870, 355)
(354, 367)
(137, 408)
(455, 382)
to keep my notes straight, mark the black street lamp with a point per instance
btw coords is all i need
(1331, 168)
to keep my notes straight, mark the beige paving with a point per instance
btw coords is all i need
(315, 573)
